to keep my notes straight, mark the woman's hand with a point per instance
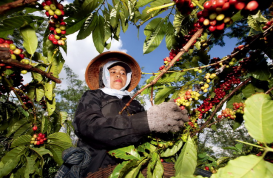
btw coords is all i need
(166, 117)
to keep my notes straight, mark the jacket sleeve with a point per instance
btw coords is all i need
(107, 133)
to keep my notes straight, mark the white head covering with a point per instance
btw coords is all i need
(106, 80)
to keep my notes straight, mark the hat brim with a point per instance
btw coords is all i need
(93, 68)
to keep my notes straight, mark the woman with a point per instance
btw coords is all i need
(100, 128)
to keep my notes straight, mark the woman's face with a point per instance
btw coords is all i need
(118, 77)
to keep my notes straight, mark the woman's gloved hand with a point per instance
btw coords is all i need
(166, 117)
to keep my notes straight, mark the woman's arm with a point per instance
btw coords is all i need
(111, 132)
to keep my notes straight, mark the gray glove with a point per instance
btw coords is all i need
(166, 117)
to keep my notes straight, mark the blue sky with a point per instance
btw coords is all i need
(152, 61)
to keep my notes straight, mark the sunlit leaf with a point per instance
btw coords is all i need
(173, 150)
(90, 5)
(51, 105)
(30, 39)
(126, 153)
(258, 115)
(24, 139)
(98, 35)
(162, 94)
(245, 166)
(88, 26)
(187, 160)
(155, 32)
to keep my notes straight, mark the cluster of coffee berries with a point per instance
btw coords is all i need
(25, 99)
(227, 113)
(15, 79)
(230, 80)
(185, 7)
(218, 13)
(15, 52)
(184, 101)
(239, 107)
(57, 26)
(192, 124)
(38, 139)
(167, 60)
(207, 79)
(267, 24)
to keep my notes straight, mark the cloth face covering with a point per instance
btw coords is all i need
(106, 80)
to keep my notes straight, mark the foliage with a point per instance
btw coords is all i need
(196, 81)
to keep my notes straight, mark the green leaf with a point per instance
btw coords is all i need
(187, 160)
(57, 154)
(131, 5)
(49, 91)
(261, 72)
(177, 22)
(258, 114)
(222, 160)
(51, 106)
(245, 166)
(75, 26)
(170, 37)
(31, 91)
(239, 147)
(98, 35)
(63, 116)
(88, 26)
(146, 146)
(253, 23)
(162, 94)
(174, 149)
(155, 32)
(36, 75)
(44, 124)
(39, 57)
(131, 170)
(60, 139)
(30, 166)
(6, 168)
(41, 151)
(141, 3)
(13, 154)
(56, 65)
(24, 139)
(30, 39)
(23, 130)
(90, 5)
(187, 176)
(113, 16)
(116, 171)
(123, 21)
(159, 169)
(248, 90)
(107, 27)
(173, 77)
(213, 127)
(126, 153)
(39, 93)
(16, 126)
(19, 21)
(203, 56)
(235, 98)
(152, 163)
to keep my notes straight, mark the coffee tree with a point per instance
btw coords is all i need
(201, 84)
